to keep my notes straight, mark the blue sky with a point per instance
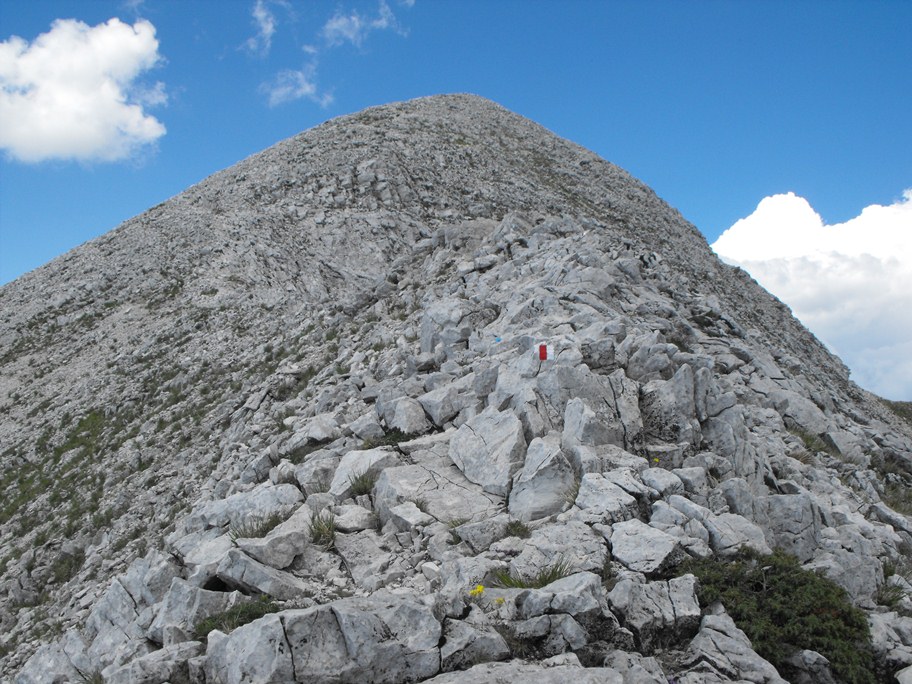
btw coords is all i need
(716, 105)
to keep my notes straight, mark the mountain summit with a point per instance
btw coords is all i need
(427, 393)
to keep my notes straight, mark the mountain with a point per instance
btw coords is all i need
(429, 393)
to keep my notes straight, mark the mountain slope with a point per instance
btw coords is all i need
(223, 357)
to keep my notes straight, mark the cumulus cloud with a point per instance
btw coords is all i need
(849, 283)
(73, 92)
(354, 27)
(265, 23)
(290, 85)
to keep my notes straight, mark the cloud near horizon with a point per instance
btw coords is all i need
(850, 283)
(73, 92)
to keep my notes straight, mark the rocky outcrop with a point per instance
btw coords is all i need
(313, 385)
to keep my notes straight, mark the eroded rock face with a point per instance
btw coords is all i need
(318, 376)
(350, 640)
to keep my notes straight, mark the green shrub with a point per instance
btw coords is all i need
(903, 409)
(783, 608)
(898, 496)
(237, 615)
(323, 529)
(561, 568)
(67, 565)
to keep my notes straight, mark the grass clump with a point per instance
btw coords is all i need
(783, 608)
(570, 493)
(255, 528)
(812, 442)
(363, 483)
(455, 537)
(390, 438)
(507, 580)
(323, 529)
(237, 615)
(517, 528)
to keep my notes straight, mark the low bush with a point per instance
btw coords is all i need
(783, 608)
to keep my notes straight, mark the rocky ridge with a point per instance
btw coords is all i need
(315, 377)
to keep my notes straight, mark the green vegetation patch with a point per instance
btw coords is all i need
(784, 608)
(561, 568)
(391, 438)
(238, 615)
(903, 409)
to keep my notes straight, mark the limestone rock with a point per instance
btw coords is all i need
(642, 548)
(356, 639)
(658, 613)
(540, 488)
(489, 449)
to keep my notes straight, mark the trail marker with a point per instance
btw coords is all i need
(545, 352)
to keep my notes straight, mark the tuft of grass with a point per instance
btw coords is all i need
(890, 595)
(323, 529)
(420, 503)
(561, 568)
(813, 443)
(255, 528)
(299, 454)
(783, 608)
(391, 438)
(237, 615)
(570, 493)
(363, 483)
(517, 528)
(454, 535)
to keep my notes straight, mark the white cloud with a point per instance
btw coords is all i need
(850, 283)
(72, 92)
(265, 22)
(290, 85)
(355, 27)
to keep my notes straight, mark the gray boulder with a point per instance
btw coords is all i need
(489, 449)
(540, 488)
(658, 613)
(643, 548)
(250, 576)
(383, 640)
(465, 645)
(604, 500)
(721, 646)
(357, 463)
(184, 606)
(441, 404)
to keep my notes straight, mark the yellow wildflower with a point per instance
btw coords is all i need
(477, 591)
(499, 600)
